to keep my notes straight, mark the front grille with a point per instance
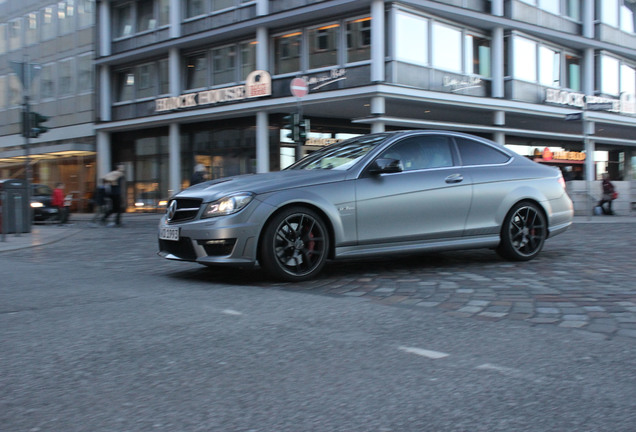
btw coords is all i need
(187, 209)
(182, 249)
(218, 247)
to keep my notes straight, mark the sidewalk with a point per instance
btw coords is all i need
(43, 234)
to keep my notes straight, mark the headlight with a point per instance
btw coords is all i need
(36, 204)
(227, 205)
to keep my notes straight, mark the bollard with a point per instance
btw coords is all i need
(18, 215)
(3, 216)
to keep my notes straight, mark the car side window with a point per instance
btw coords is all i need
(421, 152)
(475, 153)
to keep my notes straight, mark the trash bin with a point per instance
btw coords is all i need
(15, 211)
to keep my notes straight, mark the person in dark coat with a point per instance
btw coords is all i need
(199, 175)
(115, 184)
(608, 195)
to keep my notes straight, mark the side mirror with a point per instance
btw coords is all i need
(385, 166)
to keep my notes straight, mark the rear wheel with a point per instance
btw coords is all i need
(523, 233)
(295, 244)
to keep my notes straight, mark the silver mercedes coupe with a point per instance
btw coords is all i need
(377, 194)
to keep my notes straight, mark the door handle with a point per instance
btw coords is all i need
(454, 178)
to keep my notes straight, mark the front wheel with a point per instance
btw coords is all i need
(295, 245)
(523, 232)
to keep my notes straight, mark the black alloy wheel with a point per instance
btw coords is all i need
(523, 232)
(295, 245)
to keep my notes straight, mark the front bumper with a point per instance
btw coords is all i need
(228, 240)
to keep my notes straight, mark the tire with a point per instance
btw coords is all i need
(523, 232)
(295, 245)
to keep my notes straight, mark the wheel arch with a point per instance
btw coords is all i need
(323, 215)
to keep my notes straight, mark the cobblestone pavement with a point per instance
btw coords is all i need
(584, 279)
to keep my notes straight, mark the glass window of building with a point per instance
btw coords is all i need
(47, 82)
(194, 8)
(411, 38)
(573, 9)
(66, 16)
(3, 92)
(222, 4)
(196, 73)
(287, 52)
(15, 90)
(359, 39)
(164, 76)
(628, 16)
(31, 29)
(628, 80)
(609, 78)
(15, 34)
(446, 48)
(124, 85)
(146, 76)
(85, 13)
(84, 73)
(477, 55)
(549, 64)
(524, 53)
(248, 58)
(48, 23)
(4, 43)
(608, 10)
(146, 15)
(123, 20)
(164, 12)
(224, 65)
(65, 77)
(323, 46)
(573, 72)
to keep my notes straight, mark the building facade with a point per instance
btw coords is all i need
(182, 83)
(55, 40)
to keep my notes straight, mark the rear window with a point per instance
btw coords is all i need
(42, 190)
(476, 153)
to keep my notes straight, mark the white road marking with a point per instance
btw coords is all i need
(423, 352)
(231, 312)
(511, 372)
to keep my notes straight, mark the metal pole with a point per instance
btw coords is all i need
(26, 73)
(3, 215)
(18, 215)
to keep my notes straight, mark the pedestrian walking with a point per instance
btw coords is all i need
(609, 195)
(100, 202)
(199, 175)
(115, 184)
(58, 200)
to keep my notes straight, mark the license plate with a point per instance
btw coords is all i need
(169, 233)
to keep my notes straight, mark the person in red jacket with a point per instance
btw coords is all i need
(57, 200)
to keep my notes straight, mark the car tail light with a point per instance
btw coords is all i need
(562, 180)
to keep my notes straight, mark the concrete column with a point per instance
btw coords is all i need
(587, 17)
(104, 28)
(497, 7)
(174, 72)
(262, 142)
(262, 7)
(175, 18)
(262, 57)
(497, 63)
(104, 156)
(105, 93)
(587, 84)
(499, 119)
(378, 107)
(377, 41)
(174, 168)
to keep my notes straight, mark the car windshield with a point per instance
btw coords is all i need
(340, 156)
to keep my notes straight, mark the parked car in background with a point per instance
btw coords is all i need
(372, 195)
(41, 205)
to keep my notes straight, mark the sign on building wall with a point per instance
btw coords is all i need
(624, 105)
(257, 84)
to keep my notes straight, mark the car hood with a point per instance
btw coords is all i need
(260, 183)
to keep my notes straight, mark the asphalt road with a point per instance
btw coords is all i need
(100, 334)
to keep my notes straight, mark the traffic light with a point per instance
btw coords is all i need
(292, 123)
(303, 130)
(37, 124)
(33, 124)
